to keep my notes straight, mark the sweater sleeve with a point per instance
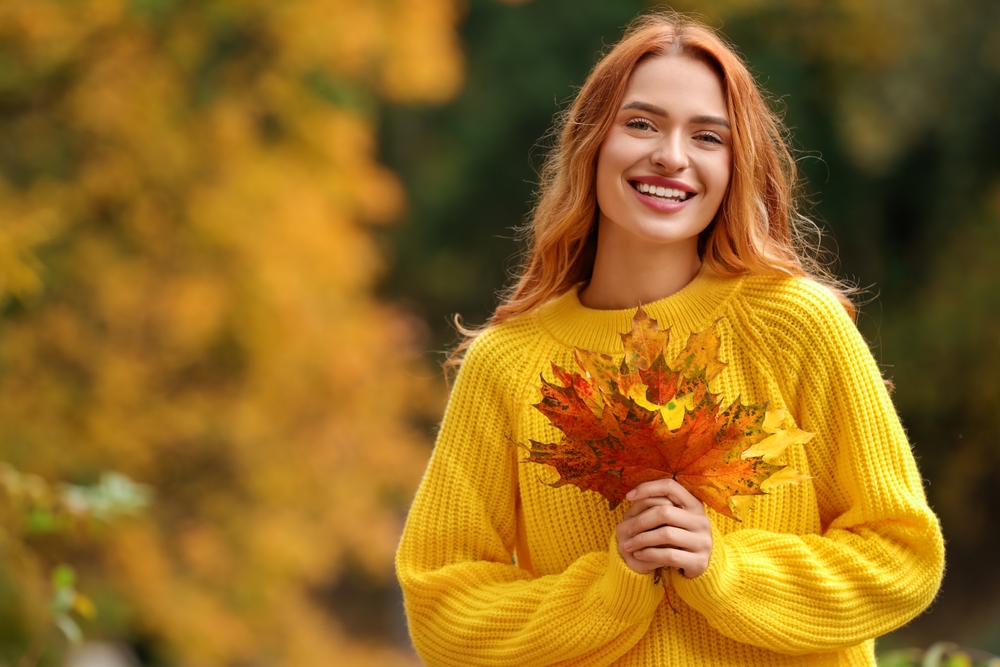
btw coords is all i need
(466, 601)
(879, 559)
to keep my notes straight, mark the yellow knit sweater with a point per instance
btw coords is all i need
(498, 568)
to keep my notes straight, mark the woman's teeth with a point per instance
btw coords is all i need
(662, 192)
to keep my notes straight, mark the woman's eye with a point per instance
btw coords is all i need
(710, 137)
(639, 124)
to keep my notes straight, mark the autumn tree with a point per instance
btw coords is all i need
(186, 276)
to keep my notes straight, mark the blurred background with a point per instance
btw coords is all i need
(232, 233)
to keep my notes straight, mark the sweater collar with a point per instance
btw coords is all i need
(693, 308)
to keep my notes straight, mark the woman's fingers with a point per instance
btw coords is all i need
(667, 515)
(622, 536)
(669, 536)
(688, 563)
(643, 504)
(669, 489)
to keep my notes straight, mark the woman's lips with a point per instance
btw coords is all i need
(661, 204)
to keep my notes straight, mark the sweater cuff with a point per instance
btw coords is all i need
(627, 595)
(718, 582)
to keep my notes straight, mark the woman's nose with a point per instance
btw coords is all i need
(670, 153)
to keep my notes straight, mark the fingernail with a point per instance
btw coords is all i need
(628, 545)
(631, 494)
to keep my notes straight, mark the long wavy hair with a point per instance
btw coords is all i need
(759, 226)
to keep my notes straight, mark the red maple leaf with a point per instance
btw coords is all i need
(644, 419)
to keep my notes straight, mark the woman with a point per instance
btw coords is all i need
(671, 187)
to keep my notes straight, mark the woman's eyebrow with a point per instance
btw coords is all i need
(647, 107)
(659, 111)
(711, 120)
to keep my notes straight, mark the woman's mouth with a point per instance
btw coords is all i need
(660, 192)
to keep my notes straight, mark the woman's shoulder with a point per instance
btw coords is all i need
(800, 301)
(799, 326)
(793, 317)
(501, 348)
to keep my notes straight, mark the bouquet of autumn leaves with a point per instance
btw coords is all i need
(644, 419)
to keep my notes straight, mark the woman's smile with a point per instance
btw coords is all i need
(662, 194)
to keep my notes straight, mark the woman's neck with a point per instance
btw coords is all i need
(628, 274)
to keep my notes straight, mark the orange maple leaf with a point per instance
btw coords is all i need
(644, 419)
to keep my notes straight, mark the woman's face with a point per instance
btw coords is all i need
(665, 165)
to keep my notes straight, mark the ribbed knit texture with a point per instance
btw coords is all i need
(498, 568)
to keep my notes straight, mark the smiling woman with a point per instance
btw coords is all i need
(671, 187)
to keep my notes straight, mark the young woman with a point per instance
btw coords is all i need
(671, 187)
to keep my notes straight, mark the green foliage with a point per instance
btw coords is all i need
(65, 599)
(32, 506)
(45, 507)
(941, 654)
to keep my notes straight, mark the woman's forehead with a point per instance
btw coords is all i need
(675, 84)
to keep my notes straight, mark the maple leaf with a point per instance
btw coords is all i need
(645, 419)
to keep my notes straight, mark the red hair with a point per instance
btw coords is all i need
(758, 227)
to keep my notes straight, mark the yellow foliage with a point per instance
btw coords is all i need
(185, 235)
(29, 220)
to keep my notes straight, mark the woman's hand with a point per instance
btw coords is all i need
(665, 527)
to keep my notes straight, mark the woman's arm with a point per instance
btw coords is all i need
(879, 560)
(466, 601)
